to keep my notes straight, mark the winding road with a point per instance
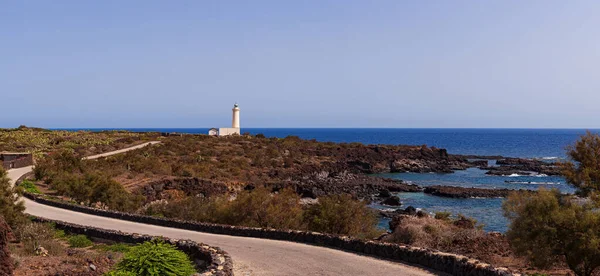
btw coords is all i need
(251, 256)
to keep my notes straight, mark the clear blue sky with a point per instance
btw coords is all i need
(300, 63)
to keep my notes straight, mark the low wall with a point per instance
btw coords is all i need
(445, 262)
(213, 260)
(18, 163)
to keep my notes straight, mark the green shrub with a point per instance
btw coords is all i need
(60, 234)
(117, 247)
(30, 187)
(260, 208)
(79, 241)
(11, 206)
(546, 227)
(443, 215)
(343, 215)
(155, 258)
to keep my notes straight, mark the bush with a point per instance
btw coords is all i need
(582, 171)
(32, 231)
(443, 215)
(117, 247)
(34, 235)
(440, 234)
(260, 208)
(547, 226)
(154, 258)
(342, 215)
(30, 187)
(79, 241)
(256, 208)
(11, 206)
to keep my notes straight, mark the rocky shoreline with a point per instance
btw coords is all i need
(314, 169)
(461, 192)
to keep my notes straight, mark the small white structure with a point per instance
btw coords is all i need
(235, 125)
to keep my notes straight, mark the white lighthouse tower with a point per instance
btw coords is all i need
(235, 122)
(235, 125)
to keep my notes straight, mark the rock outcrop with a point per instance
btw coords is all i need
(361, 186)
(461, 192)
(523, 166)
(191, 186)
(392, 201)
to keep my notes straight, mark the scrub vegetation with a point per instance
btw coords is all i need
(41, 141)
(339, 214)
(548, 227)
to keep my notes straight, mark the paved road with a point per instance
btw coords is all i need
(251, 256)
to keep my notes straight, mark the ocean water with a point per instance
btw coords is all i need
(547, 144)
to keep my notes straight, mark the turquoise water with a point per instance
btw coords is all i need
(487, 211)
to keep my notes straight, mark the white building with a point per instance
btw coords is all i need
(235, 125)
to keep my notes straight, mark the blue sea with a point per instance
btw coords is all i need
(547, 144)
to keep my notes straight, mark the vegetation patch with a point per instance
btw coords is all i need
(30, 187)
(40, 249)
(116, 247)
(338, 214)
(154, 258)
(79, 241)
(550, 228)
(41, 141)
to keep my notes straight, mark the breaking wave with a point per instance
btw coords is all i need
(531, 182)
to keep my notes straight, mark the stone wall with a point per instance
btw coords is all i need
(209, 259)
(20, 162)
(445, 262)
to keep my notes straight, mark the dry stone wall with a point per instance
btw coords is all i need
(445, 262)
(18, 163)
(212, 260)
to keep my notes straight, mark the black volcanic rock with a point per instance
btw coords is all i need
(384, 193)
(461, 192)
(532, 165)
(392, 201)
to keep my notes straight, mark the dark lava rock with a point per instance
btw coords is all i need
(319, 184)
(479, 163)
(384, 193)
(192, 186)
(422, 214)
(392, 201)
(461, 192)
(532, 165)
(411, 211)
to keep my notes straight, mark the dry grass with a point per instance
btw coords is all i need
(458, 237)
(59, 258)
(433, 233)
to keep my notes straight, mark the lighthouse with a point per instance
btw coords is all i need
(235, 125)
(235, 122)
